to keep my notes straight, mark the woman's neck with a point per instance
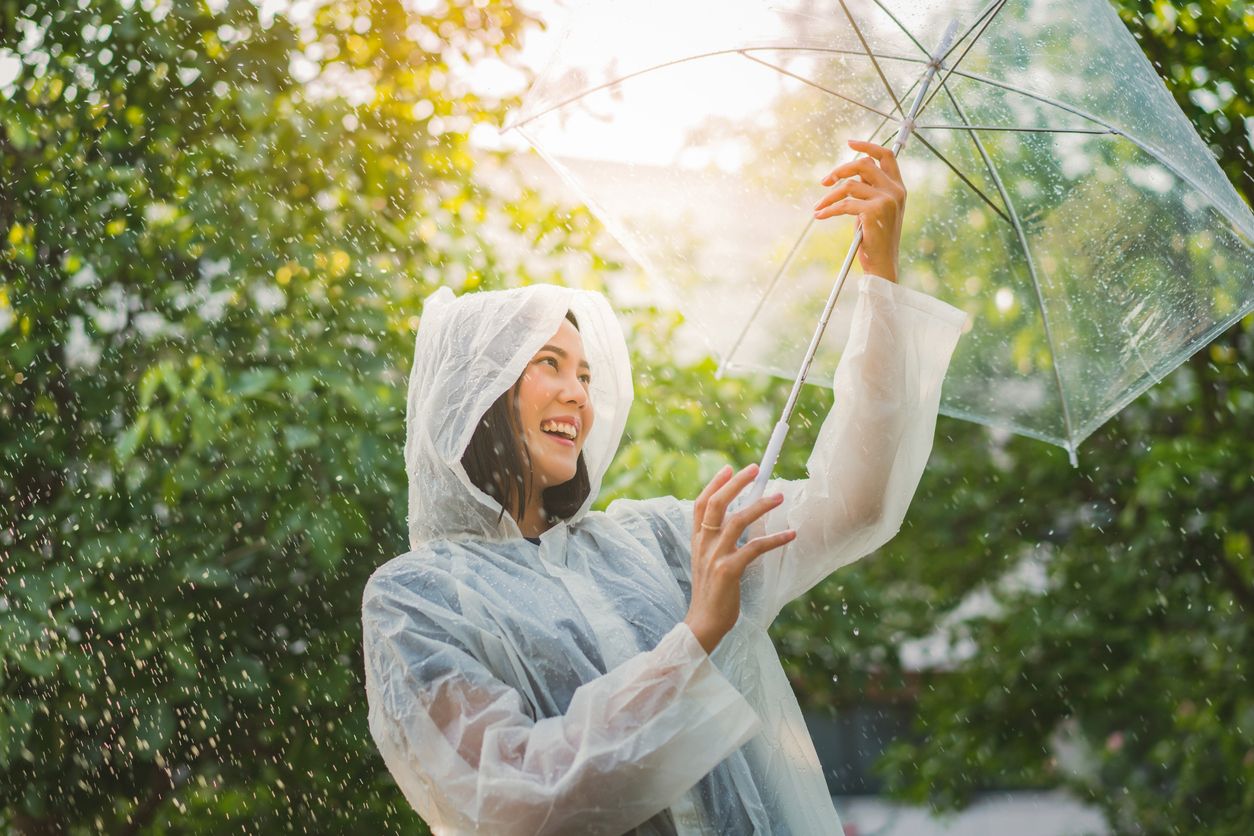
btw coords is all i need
(533, 522)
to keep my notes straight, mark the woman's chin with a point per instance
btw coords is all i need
(560, 473)
(562, 478)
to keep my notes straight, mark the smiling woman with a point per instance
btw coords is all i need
(530, 441)
(615, 674)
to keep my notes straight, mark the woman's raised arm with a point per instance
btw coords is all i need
(470, 757)
(871, 449)
(866, 462)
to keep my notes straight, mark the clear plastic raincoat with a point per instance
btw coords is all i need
(554, 688)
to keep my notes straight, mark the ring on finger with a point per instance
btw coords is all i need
(713, 527)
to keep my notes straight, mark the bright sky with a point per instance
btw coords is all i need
(733, 86)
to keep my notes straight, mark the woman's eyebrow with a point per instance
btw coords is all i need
(561, 352)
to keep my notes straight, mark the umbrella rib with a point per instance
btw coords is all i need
(803, 80)
(869, 54)
(1112, 129)
(992, 82)
(741, 50)
(1040, 97)
(699, 56)
(1036, 283)
(927, 144)
(955, 71)
(1031, 130)
(1049, 100)
(619, 80)
(783, 265)
(993, 6)
(904, 30)
(1001, 4)
(965, 179)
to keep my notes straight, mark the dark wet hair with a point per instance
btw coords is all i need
(498, 463)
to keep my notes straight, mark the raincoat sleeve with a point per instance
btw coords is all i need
(873, 445)
(471, 756)
(867, 460)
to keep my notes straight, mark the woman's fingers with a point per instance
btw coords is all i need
(879, 169)
(723, 497)
(846, 206)
(863, 167)
(735, 525)
(879, 203)
(884, 156)
(759, 546)
(849, 188)
(699, 507)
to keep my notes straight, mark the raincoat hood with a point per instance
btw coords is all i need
(469, 350)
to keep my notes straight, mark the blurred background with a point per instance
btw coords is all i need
(218, 220)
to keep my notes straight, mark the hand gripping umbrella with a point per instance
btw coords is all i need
(1057, 193)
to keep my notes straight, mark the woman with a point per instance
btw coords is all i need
(536, 667)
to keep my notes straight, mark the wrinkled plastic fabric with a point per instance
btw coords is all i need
(1057, 193)
(554, 688)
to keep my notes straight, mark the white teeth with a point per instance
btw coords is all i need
(566, 429)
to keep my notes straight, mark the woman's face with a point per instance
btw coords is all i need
(554, 391)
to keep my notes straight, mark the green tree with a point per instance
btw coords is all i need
(218, 224)
(218, 229)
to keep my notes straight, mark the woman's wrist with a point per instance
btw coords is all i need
(884, 271)
(708, 639)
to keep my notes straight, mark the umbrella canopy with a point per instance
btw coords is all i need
(1057, 193)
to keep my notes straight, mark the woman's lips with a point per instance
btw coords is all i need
(560, 439)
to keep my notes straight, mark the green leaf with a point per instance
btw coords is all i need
(297, 437)
(245, 675)
(131, 439)
(153, 729)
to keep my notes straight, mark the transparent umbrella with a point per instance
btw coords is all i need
(1056, 191)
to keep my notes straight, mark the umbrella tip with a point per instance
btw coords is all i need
(1071, 456)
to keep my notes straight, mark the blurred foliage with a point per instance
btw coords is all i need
(218, 226)
(217, 223)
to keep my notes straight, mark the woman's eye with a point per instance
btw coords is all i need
(586, 378)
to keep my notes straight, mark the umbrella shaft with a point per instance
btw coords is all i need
(781, 427)
(907, 124)
(817, 337)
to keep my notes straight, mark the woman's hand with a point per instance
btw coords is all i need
(879, 201)
(717, 563)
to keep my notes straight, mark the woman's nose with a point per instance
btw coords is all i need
(575, 393)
